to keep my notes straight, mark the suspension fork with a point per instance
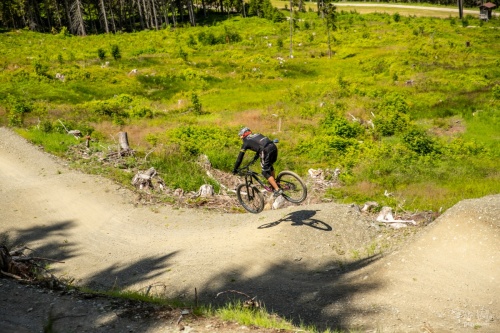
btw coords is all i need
(248, 185)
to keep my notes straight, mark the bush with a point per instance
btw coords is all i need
(17, 109)
(115, 52)
(392, 117)
(179, 172)
(196, 140)
(419, 141)
(496, 92)
(335, 124)
(101, 54)
(208, 38)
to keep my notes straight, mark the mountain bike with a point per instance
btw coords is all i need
(251, 198)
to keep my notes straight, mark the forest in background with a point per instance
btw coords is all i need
(82, 17)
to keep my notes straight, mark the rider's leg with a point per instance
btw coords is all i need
(272, 181)
(267, 160)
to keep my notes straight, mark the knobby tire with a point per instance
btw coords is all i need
(252, 200)
(294, 188)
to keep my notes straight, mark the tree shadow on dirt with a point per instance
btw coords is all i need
(318, 297)
(55, 250)
(115, 277)
(300, 218)
(129, 275)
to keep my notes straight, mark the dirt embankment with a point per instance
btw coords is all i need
(325, 264)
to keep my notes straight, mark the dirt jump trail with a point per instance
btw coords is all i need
(309, 263)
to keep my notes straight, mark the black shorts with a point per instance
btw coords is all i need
(268, 156)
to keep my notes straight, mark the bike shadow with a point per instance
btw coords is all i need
(300, 218)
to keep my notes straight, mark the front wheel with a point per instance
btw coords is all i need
(294, 188)
(250, 198)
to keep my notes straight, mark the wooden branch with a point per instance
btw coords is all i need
(25, 259)
(11, 275)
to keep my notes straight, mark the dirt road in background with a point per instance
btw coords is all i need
(315, 263)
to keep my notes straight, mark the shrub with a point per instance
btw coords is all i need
(195, 140)
(207, 38)
(419, 141)
(115, 52)
(64, 32)
(191, 42)
(196, 104)
(101, 53)
(496, 92)
(46, 126)
(181, 54)
(141, 112)
(335, 124)
(17, 109)
(40, 69)
(279, 43)
(392, 117)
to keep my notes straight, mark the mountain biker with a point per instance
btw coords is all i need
(263, 148)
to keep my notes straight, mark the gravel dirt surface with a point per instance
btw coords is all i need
(324, 264)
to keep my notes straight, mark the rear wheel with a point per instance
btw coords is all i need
(294, 188)
(250, 198)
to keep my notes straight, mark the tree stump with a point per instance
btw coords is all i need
(206, 190)
(123, 139)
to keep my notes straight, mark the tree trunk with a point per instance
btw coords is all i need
(103, 9)
(68, 14)
(191, 12)
(138, 2)
(112, 17)
(155, 18)
(58, 14)
(78, 24)
(165, 14)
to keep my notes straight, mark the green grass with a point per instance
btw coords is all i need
(447, 90)
(259, 317)
(54, 143)
(231, 311)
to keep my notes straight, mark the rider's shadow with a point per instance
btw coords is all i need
(299, 218)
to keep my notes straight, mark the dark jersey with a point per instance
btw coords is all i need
(255, 142)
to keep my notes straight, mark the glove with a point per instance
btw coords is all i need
(235, 171)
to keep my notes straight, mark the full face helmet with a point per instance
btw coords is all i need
(244, 132)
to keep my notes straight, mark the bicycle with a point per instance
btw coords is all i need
(251, 198)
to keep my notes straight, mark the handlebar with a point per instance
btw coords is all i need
(244, 170)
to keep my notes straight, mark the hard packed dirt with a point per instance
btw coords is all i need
(323, 264)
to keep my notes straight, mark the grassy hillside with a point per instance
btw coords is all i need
(406, 104)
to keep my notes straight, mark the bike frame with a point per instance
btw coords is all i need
(251, 175)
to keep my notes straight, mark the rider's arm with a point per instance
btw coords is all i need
(239, 160)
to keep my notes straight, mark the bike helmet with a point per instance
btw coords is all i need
(243, 131)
